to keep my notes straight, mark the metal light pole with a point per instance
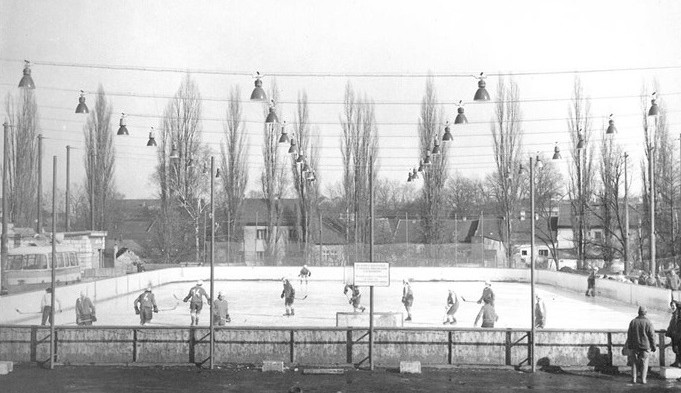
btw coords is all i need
(626, 215)
(371, 259)
(39, 222)
(54, 260)
(92, 191)
(532, 230)
(3, 239)
(212, 257)
(67, 208)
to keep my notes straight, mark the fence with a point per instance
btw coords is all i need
(311, 345)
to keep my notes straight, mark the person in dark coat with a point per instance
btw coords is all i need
(487, 294)
(488, 314)
(674, 331)
(591, 284)
(144, 305)
(640, 342)
(355, 297)
(289, 295)
(407, 298)
(85, 310)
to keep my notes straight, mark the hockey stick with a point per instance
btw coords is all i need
(169, 309)
(468, 301)
(177, 298)
(302, 298)
(21, 312)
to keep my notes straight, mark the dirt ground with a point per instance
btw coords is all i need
(91, 379)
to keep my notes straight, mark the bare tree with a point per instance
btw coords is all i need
(182, 179)
(659, 147)
(304, 173)
(23, 157)
(273, 181)
(234, 162)
(394, 197)
(466, 196)
(548, 186)
(435, 175)
(608, 210)
(100, 159)
(359, 146)
(507, 138)
(582, 172)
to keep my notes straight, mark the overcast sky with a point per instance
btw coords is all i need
(341, 37)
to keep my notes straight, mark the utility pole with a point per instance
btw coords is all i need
(626, 216)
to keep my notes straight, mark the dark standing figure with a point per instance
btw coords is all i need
(539, 312)
(289, 295)
(488, 314)
(452, 307)
(673, 281)
(407, 298)
(304, 274)
(196, 294)
(46, 306)
(674, 331)
(85, 310)
(487, 294)
(591, 285)
(355, 298)
(221, 310)
(640, 342)
(144, 305)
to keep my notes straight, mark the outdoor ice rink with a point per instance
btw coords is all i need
(258, 303)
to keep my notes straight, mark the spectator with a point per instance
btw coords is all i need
(46, 305)
(674, 331)
(673, 281)
(640, 342)
(591, 284)
(85, 310)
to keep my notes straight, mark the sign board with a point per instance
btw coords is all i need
(372, 274)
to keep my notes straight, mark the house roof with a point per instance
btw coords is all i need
(254, 211)
(333, 232)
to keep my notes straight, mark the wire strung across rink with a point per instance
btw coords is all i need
(258, 303)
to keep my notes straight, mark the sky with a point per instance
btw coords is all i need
(324, 45)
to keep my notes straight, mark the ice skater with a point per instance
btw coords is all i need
(539, 312)
(407, 298)
(304, 274)
(451, 307)
(355, 297)
(289, 295)
(46, 305)
(488, 314)
(85, 310)
(487, 294)
(196, 295)
(221, 310)
(591, 284)
(144, 305)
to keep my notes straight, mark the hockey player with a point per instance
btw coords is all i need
(221, 310)
(488, 314)
(487, 294)
(144, 305)
(539, 312)
(196, 295)
(452, 307)
(407, 298)
(355, 298)
(289, 295)
(85, 310)
(46, 305)
(304, 274)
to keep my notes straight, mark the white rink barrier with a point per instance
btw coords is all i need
(101, 290)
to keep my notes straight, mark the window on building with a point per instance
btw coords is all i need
(261, 234)
(523, 253)
(543, 253)
(292, 235)
(598, 235)
(260, 255)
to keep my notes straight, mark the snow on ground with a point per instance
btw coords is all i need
(258, 303)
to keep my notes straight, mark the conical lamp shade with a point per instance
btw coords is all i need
(481, 94)
(82, 108)
(26, 81)
(460, 117)
(258, 93)
(272, 116)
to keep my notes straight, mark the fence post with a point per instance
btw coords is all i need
(610, 348)
(134, 345)
(34, 343)
(292, 344)
(348, 346)
(192, 343)
(663, 346)
(449, 346)
(507, 347)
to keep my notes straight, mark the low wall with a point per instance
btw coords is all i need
(302, 345)
(99, 290)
